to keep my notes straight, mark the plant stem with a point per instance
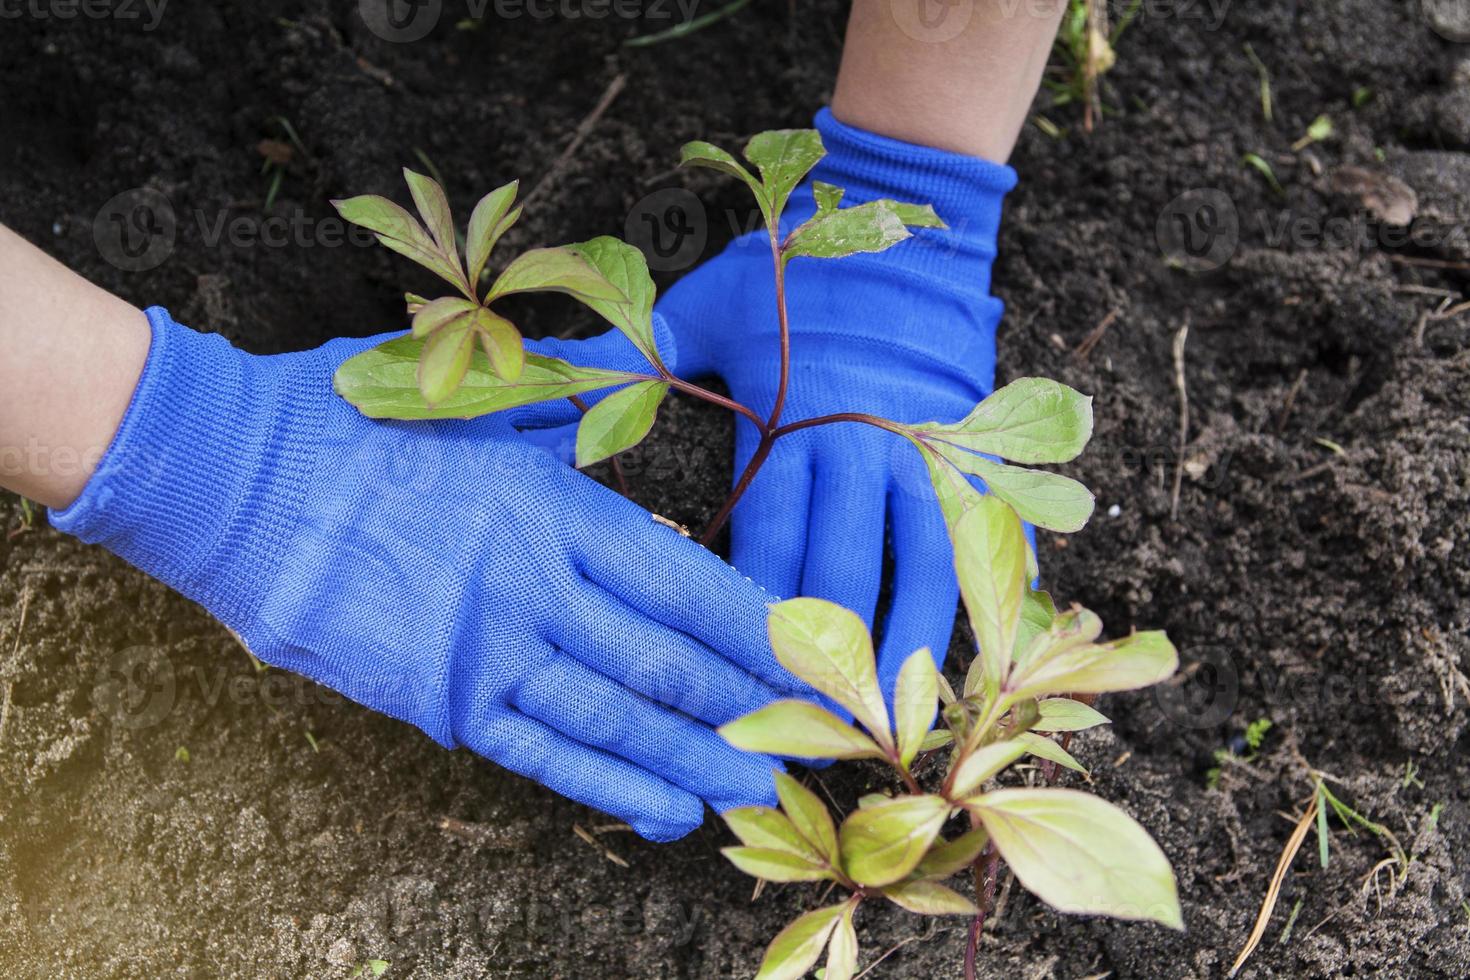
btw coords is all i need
(780, 404)
(762, 450)
(987, 873)
(704, 394)
(873, 420)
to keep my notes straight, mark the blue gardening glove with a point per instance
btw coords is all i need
(448, 574)
(907, 334)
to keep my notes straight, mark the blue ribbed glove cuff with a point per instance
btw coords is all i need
(213, 453)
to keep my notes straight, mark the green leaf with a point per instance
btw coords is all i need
(796, 948)
(830, 648)
(956, 495)
(784, 157)
(383, 383)
(774, 865)
(1048, 500)
(809, 816)
(624, 266)
(1044, 748)
(491, 218)
(801, 730)
(769, 829)
(1074, 628)
(1031, 420)
(502, 344)
(1081, 854)
(970, 774)
(443, 312)
(937, 738)
(929, 898)
(1066, 715)
(915, 699)
(1136, 661)
(433, 207)
(842, 950)
(884, 842)
(619, 421)
(915, 215)
(698, 153)
(1037, 614)
(946, 858)
(398, 230)
(445, 361)
(870, 227)
(990, 559)
(559, 270)
(378, 967)
(828, 196)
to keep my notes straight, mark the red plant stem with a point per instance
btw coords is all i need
(780, 404)
(762, 450)
(987, 873)
(874, 420)
(704, 394)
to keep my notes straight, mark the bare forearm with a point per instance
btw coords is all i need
(70, 356)
(958, 77)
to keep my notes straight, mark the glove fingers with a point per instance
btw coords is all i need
(676, 583)
(844, 553)
(659, 662)
(655, 808)
(925, 593)
(596, 711)
(768, 531)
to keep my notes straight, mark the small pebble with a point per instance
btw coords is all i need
(1114, 510)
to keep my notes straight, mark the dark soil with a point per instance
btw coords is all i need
(1315, 574)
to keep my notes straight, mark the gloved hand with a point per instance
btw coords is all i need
(448, 574)
(907, 334)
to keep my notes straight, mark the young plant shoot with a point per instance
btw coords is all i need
(1036, 671)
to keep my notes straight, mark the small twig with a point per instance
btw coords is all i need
(1290, 400)
(1410, 287)
(1179, 382)
(1273, 892)
(584, 129)
(1429, 263)
(25, 606)
(1084, 349)
(581, 832)
(1453, 311)
(929, 934)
